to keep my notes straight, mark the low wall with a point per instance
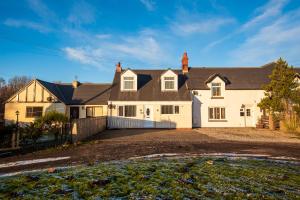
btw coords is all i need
(85, 127)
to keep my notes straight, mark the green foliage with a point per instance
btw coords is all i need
(53, 121)
(32, 131)
(282, 89)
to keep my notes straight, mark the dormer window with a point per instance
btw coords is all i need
(128, 83)
(216, 89)
(169, 83)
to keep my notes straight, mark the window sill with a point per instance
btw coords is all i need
(217, 120)
(217, 97)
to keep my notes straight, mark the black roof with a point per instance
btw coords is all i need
(239, 78)
(85, 93)
(149, 88)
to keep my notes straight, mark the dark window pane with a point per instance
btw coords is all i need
(176, 109)
(166, 109)
(120, 110)
(248, 112)
(130, 111)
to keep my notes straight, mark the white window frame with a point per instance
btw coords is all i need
(217, 86)
(214, 118)
(123, 114)
(175, 110)
(169, 79)
(131, 80)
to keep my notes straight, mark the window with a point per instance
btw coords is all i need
(216, 113)
(242, 112)
(169, 83)
(34, 111)
(169, 109)
(120, 110)
(94, 111)
(176, 109)
(127, 111)
(216, 89)
(128, 83)
(248, 112)
(90, 112)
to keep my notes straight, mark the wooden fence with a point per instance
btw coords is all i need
(86, 127)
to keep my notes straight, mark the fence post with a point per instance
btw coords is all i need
(13, 140)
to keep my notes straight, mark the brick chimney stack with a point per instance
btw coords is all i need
(118, 67)
(185, 63)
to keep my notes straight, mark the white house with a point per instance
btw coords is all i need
(165, 98)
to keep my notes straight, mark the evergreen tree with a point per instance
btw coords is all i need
(282, 94)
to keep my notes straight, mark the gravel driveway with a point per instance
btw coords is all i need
(127, 143)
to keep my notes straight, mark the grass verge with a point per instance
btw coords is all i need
(179, 178)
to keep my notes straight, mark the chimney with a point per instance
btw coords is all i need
(75, 84)
(118, 67)
(185, 63)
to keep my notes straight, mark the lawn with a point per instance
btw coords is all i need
(164, 178)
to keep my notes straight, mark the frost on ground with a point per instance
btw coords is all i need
(28, 162)
(162, 178)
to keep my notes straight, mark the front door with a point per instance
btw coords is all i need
(74, 112)
(148, 116)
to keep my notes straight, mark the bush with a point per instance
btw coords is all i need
(291, 124)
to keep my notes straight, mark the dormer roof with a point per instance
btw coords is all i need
(149, 88)
(212, 77)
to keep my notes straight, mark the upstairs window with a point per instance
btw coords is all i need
(34, 111)
(169, 83)
(128, 83)
(216, 89)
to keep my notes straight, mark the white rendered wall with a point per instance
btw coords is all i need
(232, 101)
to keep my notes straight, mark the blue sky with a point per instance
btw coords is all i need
(58, 40)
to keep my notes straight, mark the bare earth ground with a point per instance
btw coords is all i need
(127, 143)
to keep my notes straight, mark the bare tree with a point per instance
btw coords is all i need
(8, 89)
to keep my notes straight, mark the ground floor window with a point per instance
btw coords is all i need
(34, 111)
(94, 111)
(248, 112)
(127, 111)
(169, 109)
(217, 113)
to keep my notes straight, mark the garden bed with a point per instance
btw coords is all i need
(162, 178)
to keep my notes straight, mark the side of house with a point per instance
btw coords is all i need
(76, 100)
(227, 97)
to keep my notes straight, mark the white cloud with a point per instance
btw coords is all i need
(262, 17)
(27, 24)
(82, 55)
(278, 39)
(103, 36)
(272, 9)
(41, 9)
(149, 4)
(82, 13)
(142, 48)
(201, 26)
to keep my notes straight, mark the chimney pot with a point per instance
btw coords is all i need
(185, 63)
(118, 67)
